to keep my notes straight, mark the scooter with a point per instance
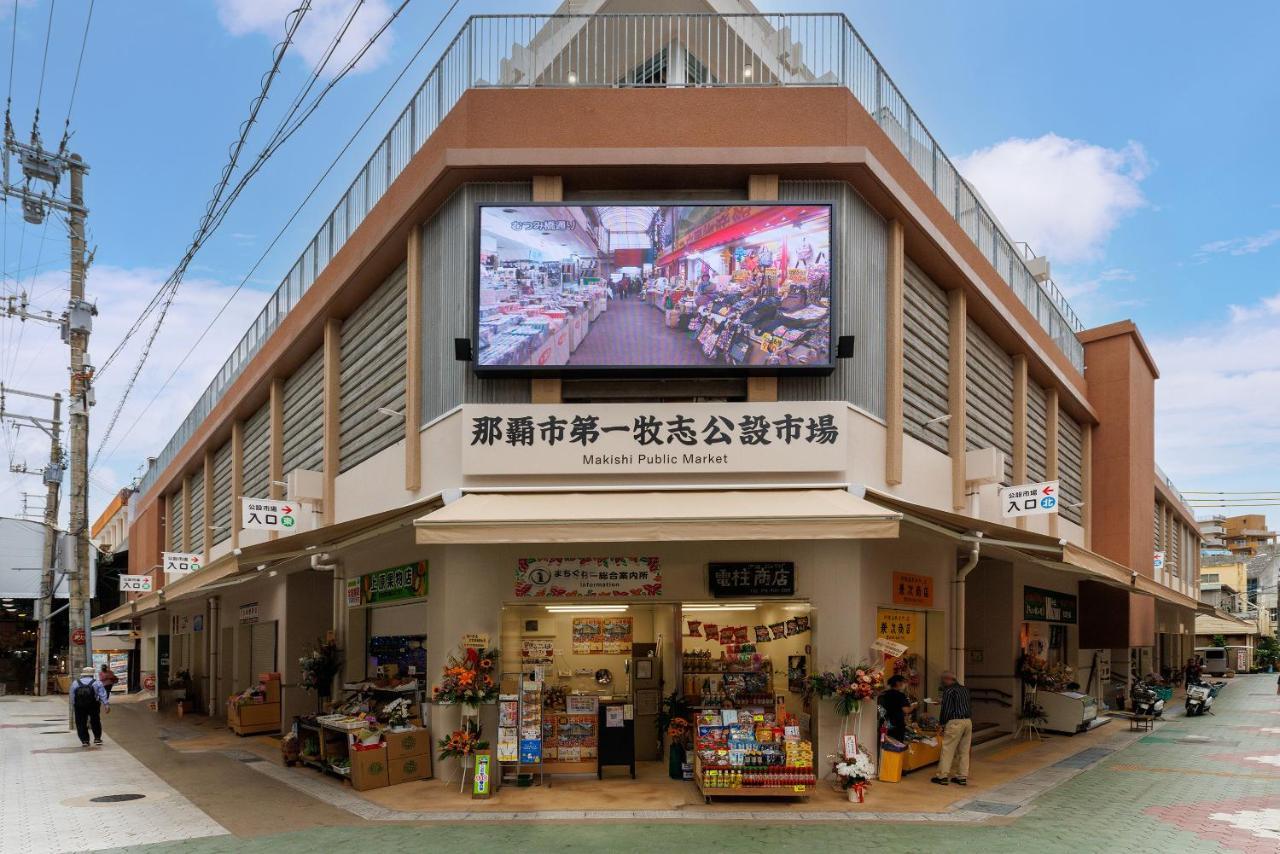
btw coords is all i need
(1200, 696)
(1146, 702)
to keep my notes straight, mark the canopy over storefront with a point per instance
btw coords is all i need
(656, 516)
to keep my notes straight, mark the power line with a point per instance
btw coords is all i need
(75, 83)
(44, 61)
(316, 186)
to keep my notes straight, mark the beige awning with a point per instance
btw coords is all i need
(657, 516)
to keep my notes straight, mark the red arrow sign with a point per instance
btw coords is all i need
(288, 509)
(1048, 490)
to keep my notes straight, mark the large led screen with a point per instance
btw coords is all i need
(654, 288)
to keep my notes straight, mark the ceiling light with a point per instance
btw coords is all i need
(737, 607)
(573, 77)
(586, 609)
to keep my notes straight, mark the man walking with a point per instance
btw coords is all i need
(88, 700)
(957, 732)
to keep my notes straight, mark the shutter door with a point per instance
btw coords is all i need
(925, 358)
(197, 511)
(1070, 467)
(303, 416)
(1037, 450)
(262, 649)
(221, 495)
(989, 388)
(257, 454)
(372, 374)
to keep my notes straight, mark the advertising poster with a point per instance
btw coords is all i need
(588, 636)
(617, 635)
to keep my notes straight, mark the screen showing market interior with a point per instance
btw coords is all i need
(569, 287)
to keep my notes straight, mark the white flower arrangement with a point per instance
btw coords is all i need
(396, 713)
(859, 768)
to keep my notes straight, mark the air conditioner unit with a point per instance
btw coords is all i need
(304, 485)
(983, 466)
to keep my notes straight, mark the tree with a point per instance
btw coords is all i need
(1219, 640)
(1268, 651)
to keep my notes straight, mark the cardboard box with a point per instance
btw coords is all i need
(253, 718)
(409, 768)
(414, 742)
(272, 687)
(369, 769)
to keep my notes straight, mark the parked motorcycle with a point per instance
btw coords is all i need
(1200, 697)
(1146, 701)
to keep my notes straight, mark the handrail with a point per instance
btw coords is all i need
(643, 50)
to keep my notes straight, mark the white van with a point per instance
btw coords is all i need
(1215, 659)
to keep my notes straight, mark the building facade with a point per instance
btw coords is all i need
(415, 515)
(1243, 536)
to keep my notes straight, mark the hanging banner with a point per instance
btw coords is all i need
(654, 438)
(399, 582)
(1029, 499)
(135, 584)
(178, 564)
(912, 589)
(262, 514)
(556, 577)
(897, 625)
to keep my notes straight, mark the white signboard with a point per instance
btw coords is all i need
(178, 564)
(263, 514)
(655, 438)
(249, 613)
(558, 577)
(1158, 562)
(135, 584)
(1029, 499)
(893, 649)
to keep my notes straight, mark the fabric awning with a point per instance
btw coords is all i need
(959, 524)
(657, 516)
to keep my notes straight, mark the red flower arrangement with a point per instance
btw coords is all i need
(461, 743)
(468, 680)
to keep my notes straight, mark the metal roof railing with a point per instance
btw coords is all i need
(650, 51)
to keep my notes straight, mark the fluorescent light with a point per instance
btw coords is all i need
(584, 609)
(742, 607)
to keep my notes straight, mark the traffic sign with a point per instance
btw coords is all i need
(1029, 499)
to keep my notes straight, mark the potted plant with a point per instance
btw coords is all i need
(854, 774)
(319, 667)
(673, 708)
(396, 714)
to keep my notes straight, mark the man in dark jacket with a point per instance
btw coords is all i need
(88, 701)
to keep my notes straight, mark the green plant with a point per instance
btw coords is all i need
(1268, 651)
(673, 706)
(1219, 640)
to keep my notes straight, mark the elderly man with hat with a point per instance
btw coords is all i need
(88, 700)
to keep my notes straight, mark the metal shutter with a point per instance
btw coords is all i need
(446, 302)
(859, 245)
(989, 388)
(262, 649)
(372, 374)
(1037, 449)
(174, 534)
(222, 496)
(1070, 467)
(1174, 558)
(1157, 527)
(197, 511)
(925, 358)
(256, 469)
(303, 421)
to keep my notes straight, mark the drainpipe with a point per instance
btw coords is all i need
(211, 635)
(958, 606)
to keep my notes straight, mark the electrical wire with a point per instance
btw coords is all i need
(44, 62)
(297, 210)
(75, 82)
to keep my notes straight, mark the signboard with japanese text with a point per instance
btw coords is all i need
(910, 588)
(537, 650)
(1029, 499)
(355, 593)
(178, 564)
(555, 577)
(249, 613)
(1048, 606)
(399, 582)
(893, 624)
(135, 584)
(261, 514)
(1158, 562)
(657, 438)
(729, 580)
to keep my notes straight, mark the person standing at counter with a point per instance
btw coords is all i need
(957, 732)
(897, 707)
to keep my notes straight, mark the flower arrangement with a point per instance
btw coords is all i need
(463, 742)
(854, 774)
(468, 680)
(396, 713)
(1039, 673)
(319, 666)
(679, 730)
(253, 694)
(848, 686)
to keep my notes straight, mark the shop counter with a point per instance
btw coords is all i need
(919, 754)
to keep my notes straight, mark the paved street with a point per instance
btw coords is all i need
(1194, 785)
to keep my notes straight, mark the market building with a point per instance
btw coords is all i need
(703, 406)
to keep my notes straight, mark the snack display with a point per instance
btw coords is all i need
(743, 752)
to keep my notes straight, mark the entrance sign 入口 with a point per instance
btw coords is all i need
(618, 438)
(178, 564)
(554, 578)
(261, 514)
(1029, 499)
(1158, 562)
(135, 584)
(729, 580)
(909, 588)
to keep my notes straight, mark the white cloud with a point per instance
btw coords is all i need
(1217, 422)
(1241, 245)
(1063, 196)
(40, 365)
(317, 30)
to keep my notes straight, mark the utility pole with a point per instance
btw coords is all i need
(52, 475)
(79, 324)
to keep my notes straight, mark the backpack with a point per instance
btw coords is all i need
(83, 696)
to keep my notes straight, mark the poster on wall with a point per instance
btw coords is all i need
(355, 593)
(556, 577)
(617, 632)
(898, 625)
(912, 589)
(408, 581)
(537, 651)
(588, 636)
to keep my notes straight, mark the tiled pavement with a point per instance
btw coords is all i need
(1207, 784)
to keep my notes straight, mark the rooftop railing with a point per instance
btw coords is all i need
(632, 51)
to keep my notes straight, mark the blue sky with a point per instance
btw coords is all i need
(1134, 144)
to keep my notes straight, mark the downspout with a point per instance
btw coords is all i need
(212, 632)
(958, 606)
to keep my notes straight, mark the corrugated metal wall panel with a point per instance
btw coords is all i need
(256, 474)
(372, 374)
(450, 247)
(175, 521)
(1070, 466)
(1036, 447)
(859, 245)
(303, 416)
(197, 511)
(925, 358)
(222, 496)
(989, 387)
(1174, 558)
(1157, 527)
